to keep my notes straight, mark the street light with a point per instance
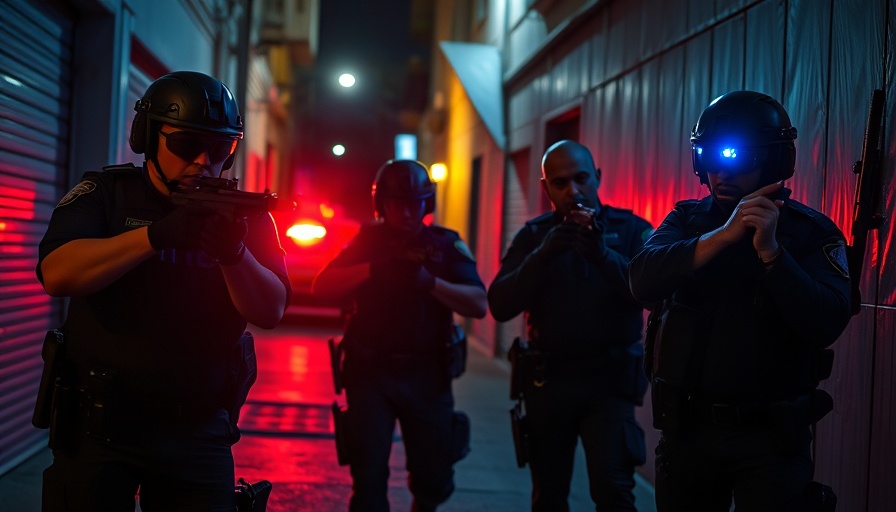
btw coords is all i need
(439, 172)
(346, 80)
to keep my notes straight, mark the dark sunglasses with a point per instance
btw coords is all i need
(733, 159)
(189, 145)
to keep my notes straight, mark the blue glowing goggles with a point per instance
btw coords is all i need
(732, 159)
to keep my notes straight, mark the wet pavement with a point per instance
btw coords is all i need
(287, 435)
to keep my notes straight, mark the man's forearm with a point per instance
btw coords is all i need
(87, 265)
(464, 299)
(258, 294)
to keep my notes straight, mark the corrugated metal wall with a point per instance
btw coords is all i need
(644, 70)
(35, 82)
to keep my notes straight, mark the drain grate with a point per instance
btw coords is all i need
(286, 419)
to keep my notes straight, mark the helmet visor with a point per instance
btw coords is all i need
(189, 145)
(730, 158)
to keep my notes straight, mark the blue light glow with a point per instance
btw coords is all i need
(729, 153)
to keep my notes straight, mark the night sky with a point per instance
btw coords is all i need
(373, 41)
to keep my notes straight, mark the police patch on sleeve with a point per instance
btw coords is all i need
(85, 187)
(463, 249)
(836, 254)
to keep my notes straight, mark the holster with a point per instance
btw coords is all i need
(53, 354)
(456, 352)
(820, 497)
(460, 435)
(336, 364)
(242, 374)
(520, 428)
(252, 497)
(679, 346)
(522, 363)
(340, 433)
(668, 407)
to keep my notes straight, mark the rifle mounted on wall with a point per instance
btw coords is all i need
(867, 213)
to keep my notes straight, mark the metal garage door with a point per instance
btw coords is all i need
(35, 77)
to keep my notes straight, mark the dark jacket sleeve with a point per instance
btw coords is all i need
(514, 288)
(813, 292)
(614, 266)
(666, 260)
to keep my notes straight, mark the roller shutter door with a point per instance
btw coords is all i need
(35, 79)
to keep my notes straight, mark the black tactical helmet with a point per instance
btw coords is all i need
(186, 99)
(743, 130)
(403, 179)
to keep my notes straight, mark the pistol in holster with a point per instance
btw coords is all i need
(252, 497)
(340, 433)
(53, 354)
(521, 359)
(56, 405)
(456, 352)
(242, 372)
(336, 364)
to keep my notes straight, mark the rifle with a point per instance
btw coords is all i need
(867, 212)
(222, 196)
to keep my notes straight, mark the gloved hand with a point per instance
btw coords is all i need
(422, 279)
(590, 243)
(559, 239)
(222, 239)
(180, 229)
(403, 273)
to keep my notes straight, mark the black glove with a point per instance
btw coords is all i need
(590, 244)
(560, 238)
(422, 279)
(180, 229)
(402, 273)
(222, 239)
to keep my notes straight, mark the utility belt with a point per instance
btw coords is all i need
(621, 367)
(94, 403)
(673, 409)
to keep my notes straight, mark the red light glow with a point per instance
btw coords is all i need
(306, 233)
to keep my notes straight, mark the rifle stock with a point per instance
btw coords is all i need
(867, 213)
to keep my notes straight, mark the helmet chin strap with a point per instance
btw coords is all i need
(171, 185)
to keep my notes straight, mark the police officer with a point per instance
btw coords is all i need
(160, 298)
(405, 279)
(567, 270)
(755, 285)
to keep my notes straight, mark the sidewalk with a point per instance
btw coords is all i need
(306, 476)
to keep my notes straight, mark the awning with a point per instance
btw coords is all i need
(478, 66)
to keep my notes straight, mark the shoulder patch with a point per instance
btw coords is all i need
(85, 187)
(836, 254)
(463, 249)
(646, 234)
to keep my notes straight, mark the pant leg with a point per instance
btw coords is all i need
(370, 425)
(771, 477)
(189, 467)
(426, 411)
(614, 444)
(94, 478)
(553, 435)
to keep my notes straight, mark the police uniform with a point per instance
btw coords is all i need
(585, 328)
(155, 347)
(735, 366)
(394, 366)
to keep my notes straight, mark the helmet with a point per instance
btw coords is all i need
(403, 179)
(743, 130)
(186, 99)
